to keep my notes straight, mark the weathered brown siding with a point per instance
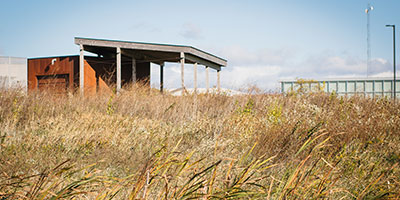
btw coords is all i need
(63, 74)
(42, 68)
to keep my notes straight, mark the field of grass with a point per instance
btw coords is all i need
(144, 145)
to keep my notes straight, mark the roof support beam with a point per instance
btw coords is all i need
(118, 70)
(139, 55)
(127, 53)
(202, 62)
(106, 54)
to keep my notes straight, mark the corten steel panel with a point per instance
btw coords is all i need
(56, 83)
(96, 71)
(47, 67)
(90, 82)
(105, 69)
(100, 73)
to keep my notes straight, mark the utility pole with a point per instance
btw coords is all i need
(394, 60)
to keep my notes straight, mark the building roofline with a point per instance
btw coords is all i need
(149, 43)
(41, 57)
(63, 56)
(185, 48)
(134, 42)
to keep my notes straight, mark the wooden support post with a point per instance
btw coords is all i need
(81, 69)
(195, 78)
(161, 77)
(182, 70)
(118, 69)
(207, 80)
(133, 70)
(218, 80)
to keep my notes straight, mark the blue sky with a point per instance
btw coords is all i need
(263, 41)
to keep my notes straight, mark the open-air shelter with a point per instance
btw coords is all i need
(139, 55)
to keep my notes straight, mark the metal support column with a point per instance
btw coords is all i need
(118, 69)
(373, 88)
(394, 61)
(383, 88)
(327, 86)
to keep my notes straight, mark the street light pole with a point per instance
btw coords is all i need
(394, 60)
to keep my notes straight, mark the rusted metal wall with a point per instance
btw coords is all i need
(43, 70)
(62, 73)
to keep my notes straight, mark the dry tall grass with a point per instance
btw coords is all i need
(143, 145)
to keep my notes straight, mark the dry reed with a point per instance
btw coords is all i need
(144, 145)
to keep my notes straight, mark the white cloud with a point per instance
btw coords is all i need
(327, 64)
(263, 76)
(240, 56)
(379, 65)
(264, 68)
(331, 65)
(386, 74)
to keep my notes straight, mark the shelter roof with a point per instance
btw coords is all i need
(153, 52)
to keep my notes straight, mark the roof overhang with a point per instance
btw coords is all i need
(157, 53)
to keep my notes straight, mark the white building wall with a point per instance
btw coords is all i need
(13, 72)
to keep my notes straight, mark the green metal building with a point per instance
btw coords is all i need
(368, 87)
